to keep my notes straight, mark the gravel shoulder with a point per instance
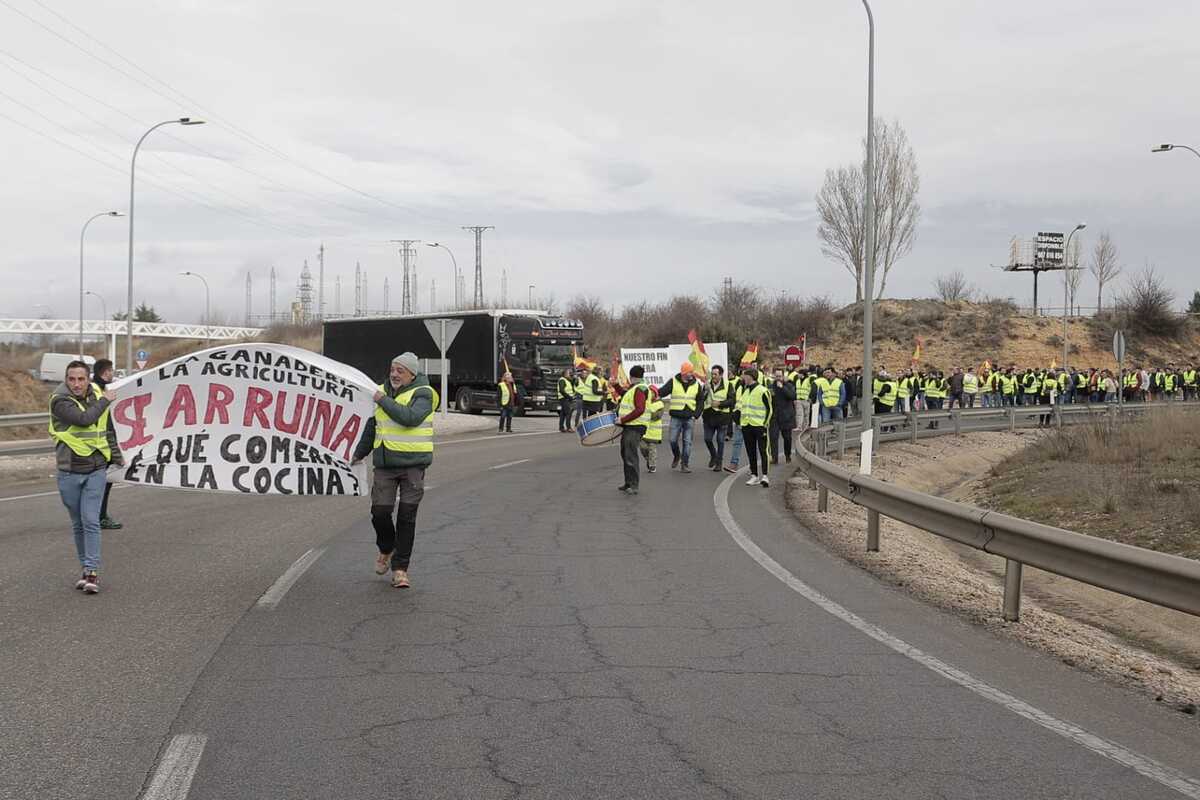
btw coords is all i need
(1138, 645)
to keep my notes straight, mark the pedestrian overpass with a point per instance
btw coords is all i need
(112, 328)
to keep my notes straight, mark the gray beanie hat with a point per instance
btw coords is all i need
(408, 361)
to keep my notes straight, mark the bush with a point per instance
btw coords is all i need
(953, 288)
(1147, 306)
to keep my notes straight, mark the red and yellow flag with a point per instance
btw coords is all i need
(698, 358)
(751, 354)
(1054, 363)
(617, 378)
(579, 361)
(916, 356)
(804, 348)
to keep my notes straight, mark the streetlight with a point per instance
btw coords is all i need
(869, 272)
(1067, 266)
(207, 338)
(81, 233)
(531, 288)
(454, 264)
(1166, 148)
(129, 288)
(112, 348)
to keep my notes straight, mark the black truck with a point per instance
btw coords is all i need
(536, 346)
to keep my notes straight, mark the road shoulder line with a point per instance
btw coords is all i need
(176, 768)
(271, 597)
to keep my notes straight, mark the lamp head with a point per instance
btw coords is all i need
(190, 121)
(1162, 148)
(1081, 226)
(115, 214)
(433, 244)
(185, 273)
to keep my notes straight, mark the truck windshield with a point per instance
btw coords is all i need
(555, 355)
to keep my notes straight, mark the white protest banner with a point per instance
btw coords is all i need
(662, 363)
(250, 418)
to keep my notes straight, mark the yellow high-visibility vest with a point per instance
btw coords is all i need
(755, 405)
(83, 441)
(654, 427)
(626, 407)
(683, 398)
(397, 438)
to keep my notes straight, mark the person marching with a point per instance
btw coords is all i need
(783, 421)
(654, 432)
(85, 444)
(590, 390)
(102, 376)
(506, 398)
(566, 401)
(400, 438)
(685, 406)
(633, 417)
(735, 430)
(718, 406)
(754, 417)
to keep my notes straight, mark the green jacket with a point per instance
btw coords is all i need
(410, 416)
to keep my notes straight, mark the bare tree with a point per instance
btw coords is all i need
(1104, 267)
(1148, 305)
(842, 203)
(1074, 276)
(953, 287)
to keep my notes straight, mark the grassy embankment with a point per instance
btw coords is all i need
(1136, 482)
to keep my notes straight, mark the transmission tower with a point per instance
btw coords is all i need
(271, 318)
(306, 295)
(478, 231)
(321, 281)
(358, 289)
(408, 257)
(504, 288)
(413, 286)
(247, 299)
(366, 298)
(386, 303)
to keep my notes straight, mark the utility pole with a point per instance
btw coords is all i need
(415, 297)
(337, 295)
(478, 231)
(366, 297)
(504, 288)
(386, 302)
(433, 295)
(408, 257)
(248, 295)
(271, 310)
(358, 289)
(321, 281)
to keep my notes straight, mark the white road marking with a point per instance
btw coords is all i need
(279, 588)
(26, 496)
(173, 777)
(1147, 767)
(509, 464)
(492, 438)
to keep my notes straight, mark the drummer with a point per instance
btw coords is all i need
(634, 417)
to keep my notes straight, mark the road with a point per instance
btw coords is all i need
(561, 640)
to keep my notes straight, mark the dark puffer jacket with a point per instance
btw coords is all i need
(410, 416)
(65, 412)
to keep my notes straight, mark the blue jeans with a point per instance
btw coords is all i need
(737, 446)
(714, 440)
(682, 427)
(82, 495)
(830, 413)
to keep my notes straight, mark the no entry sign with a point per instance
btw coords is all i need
(793, 356)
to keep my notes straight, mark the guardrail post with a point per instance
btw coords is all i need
(956, 418)
(812, 482)
(1012, 590)
(841, 429)
(822, 499)
(1012, 419)
(912, 426)
(872, 531)
(1058, 415)
(876, 432)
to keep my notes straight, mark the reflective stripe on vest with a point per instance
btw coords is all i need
(627, 407)
(566, 388)
(804, 388)
(970, 384)
(755, 406)
(716, 396)
(683, 398)
(831, 391)
(585, 389)
(83, 441)
(504, 392)
(394, 436)
(1008, 384)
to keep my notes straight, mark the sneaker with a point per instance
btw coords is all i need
(685, 468)
(651, 469)
(716, 467)
(381, 563)
(400, 579)
(630, 490)
(674, 462)
(712, 462)
(764, 482)
(622, 487)
(731, 468)
(91, 583)
(79, 584)
(110, 524)
(754, 480)
(789, 459)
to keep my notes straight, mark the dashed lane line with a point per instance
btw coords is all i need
(176, 768)
(1147, 767)
(510, 464)
(279, 588)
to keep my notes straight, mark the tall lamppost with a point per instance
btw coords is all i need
(1067, 266)
(1166, 148)
(454, 265)
(81, 234)
(112, 348)
(869, 273)
(207, 338)
(129, 288)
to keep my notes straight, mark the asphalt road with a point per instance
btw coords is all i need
(561, 640)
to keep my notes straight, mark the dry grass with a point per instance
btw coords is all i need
(1136, 482)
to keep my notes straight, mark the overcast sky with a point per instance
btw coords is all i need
(626, 149)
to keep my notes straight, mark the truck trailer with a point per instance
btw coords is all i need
(536, 347)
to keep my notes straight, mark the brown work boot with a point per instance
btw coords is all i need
(400, 579)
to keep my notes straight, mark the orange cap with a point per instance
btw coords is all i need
(687, 368)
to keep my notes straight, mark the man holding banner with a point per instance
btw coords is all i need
(400, 435)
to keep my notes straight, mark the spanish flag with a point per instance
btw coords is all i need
(618, 378)
(751, 354)
(579, 361)
(699, 356)
(1054, 363)
(916, 356)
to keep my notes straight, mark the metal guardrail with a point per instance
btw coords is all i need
(19, 420)
(1159, 578)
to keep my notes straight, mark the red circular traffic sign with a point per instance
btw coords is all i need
(793, 356)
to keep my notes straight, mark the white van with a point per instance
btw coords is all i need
(54, 366)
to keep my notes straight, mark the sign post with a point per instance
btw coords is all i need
(444, 330)
(1119, 354)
